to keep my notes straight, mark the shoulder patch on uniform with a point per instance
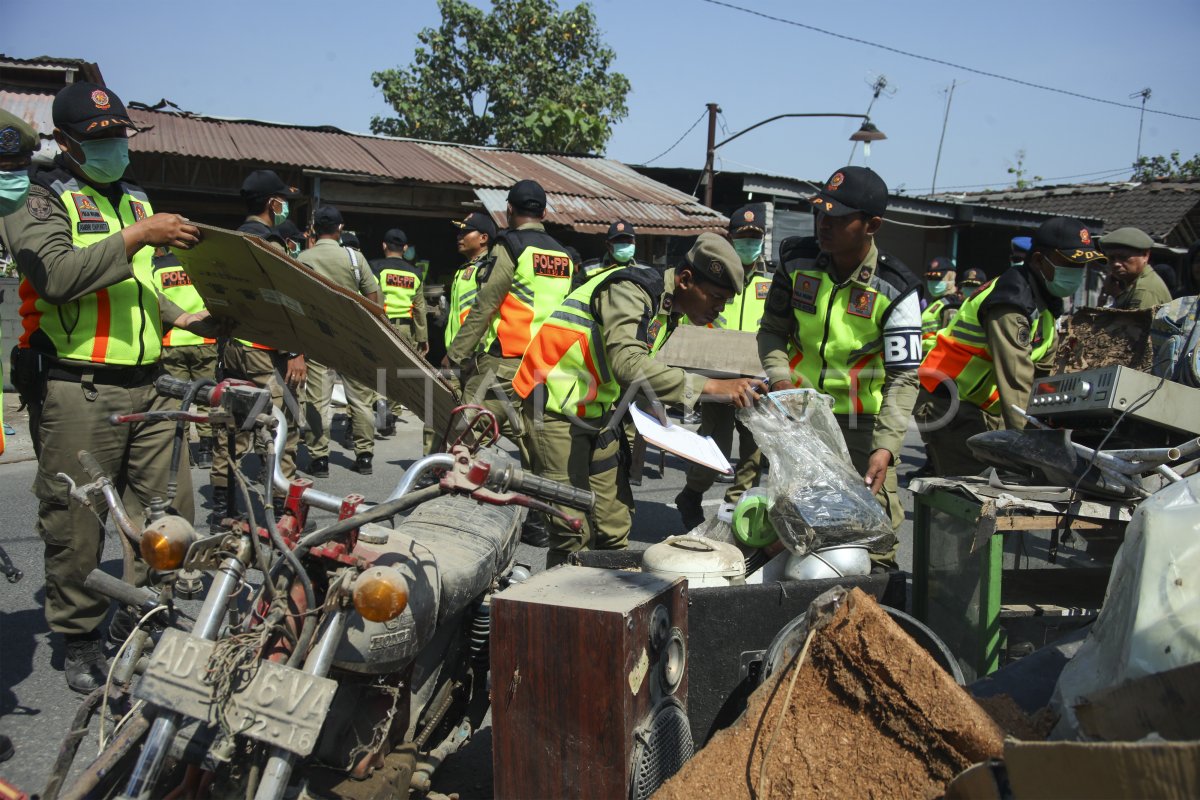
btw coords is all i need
(1023, 335)
(39, 206)
(668, 302)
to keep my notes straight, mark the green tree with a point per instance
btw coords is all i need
(1147, 168)
(524, 75)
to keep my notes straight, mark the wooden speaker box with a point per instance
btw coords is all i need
(589, 684)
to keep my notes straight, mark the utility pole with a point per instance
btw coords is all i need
(713, 110)
(1145, 95)
(877, 88)
(945, 120)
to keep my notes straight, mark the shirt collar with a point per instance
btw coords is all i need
(666, 303)
(862, 274)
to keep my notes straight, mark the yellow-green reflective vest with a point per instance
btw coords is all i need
(118, 325)
(744, 311)
(568, 352)
(847, 335)
(176, 285)
(541, 280)
(463, 289)
(399, 281)
(931, 321)
(961, 353)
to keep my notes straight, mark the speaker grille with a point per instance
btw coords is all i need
(660, 749)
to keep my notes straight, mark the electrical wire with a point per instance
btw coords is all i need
(112, 668)
(920, 57)
(1107, 173)
(677, 141)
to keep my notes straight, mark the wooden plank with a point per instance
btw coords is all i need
(279, 302)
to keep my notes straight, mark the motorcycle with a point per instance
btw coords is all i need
(353, 666)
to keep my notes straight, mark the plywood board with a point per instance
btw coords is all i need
(279, 302)
(715, 352)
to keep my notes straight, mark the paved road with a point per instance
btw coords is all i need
(34, 701)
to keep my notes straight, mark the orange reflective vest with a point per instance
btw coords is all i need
(541, 280)
(962, 354)
(118, 325)
(568, 353)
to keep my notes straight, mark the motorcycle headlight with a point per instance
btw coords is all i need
(380, 594)
(165, 543)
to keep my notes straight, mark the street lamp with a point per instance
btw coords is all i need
(866, 134)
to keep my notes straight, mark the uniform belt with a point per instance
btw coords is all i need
(400, 320)
(101, 375)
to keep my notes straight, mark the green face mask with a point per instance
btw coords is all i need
(104, 160)
(748, 250)
(410, 253)
(936, 288)
(1066, 280)
(623, 253)
(283, 213)
(14, 187)
(293, 249)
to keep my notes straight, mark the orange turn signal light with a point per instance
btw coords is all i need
(165, 543)
(380, 594)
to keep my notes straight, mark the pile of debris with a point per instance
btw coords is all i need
(861, 711)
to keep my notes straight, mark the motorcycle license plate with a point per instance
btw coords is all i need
(280, 705)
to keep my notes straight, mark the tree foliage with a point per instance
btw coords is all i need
(1147, 168)
(524, 75)
(1019, 172)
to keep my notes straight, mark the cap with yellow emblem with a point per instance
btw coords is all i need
(86, 110)
(620, 229)
(852, 190)
(1070, 237)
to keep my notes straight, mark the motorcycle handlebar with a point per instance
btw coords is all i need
(550, 491)
(90, 465)
(119, 590)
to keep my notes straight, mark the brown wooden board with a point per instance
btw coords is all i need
(714, 352)
(277, 301)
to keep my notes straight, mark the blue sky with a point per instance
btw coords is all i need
(310, 63)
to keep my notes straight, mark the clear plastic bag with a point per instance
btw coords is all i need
(819, 498)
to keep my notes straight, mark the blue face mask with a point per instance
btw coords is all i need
(623, 253)
(410, 253)
(105, 160)
(1066, 281)
(937, 288)
(748, 250)
(14, 187)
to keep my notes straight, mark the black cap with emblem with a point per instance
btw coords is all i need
(747, 218)
(620, 229)
(1070, 237)
(87, 110)
(477, 221)
(852, 190)
(264, 183)
(939, 266)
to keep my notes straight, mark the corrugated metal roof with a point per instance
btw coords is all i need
(475, 172)
(585, 193)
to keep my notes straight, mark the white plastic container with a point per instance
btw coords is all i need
(703, 562)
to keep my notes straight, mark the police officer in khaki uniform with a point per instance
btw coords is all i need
(185, 355)
(747, 231)
(473, 239)
(267, 198)
(528, 275)
(1003, 337)
(349, 269)
(401, 284)
(596, 345)
(1132, 282)
(843, 318)
(93, 323)
(619, 251)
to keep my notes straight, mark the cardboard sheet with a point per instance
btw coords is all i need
(714, 352)
(283, 304)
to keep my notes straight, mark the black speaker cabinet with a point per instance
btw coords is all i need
(589, 685)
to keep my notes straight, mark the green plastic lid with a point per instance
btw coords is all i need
(750, 523)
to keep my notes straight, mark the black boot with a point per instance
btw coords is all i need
(533, 532)
(220, 508)
(688, 503)
(319, 467)
(204, 452)
(85, 666)
(6, 748)
(362, 463)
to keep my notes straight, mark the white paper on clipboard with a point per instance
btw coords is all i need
(680, 441)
